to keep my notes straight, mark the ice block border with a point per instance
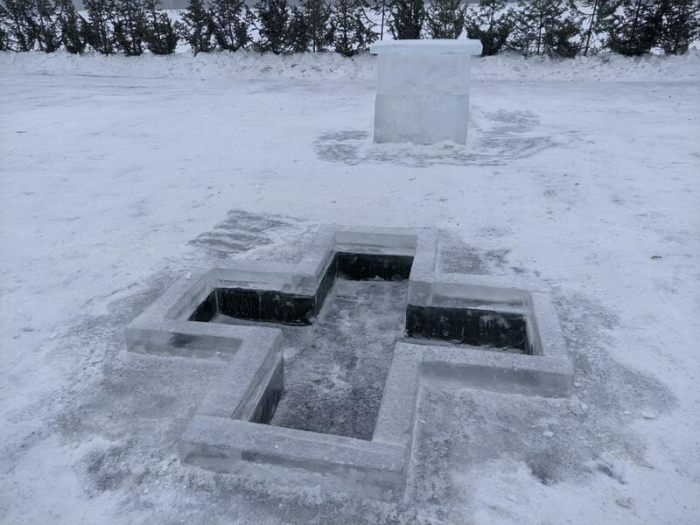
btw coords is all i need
(225, 434)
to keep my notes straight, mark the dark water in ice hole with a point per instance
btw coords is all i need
(335, 369)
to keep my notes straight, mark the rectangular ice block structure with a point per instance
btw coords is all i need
(423, 90)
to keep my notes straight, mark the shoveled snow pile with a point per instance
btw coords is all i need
(507, 66)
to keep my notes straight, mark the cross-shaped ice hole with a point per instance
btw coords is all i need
(339, 342)
(328, 354)
(335, 368)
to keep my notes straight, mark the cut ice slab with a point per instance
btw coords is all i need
(423, 90)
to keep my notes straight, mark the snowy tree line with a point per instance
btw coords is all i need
(562, 28)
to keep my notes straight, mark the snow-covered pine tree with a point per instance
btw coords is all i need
(680, 27)
(561, 38)
(343, 21)
(4, 29)
(353, 29)
(407, 19)
(632, 30)
(272, 20)
(445, 18)
(491, 23)
(160, 36)
(72, 27)
(129, 26)
(298, 31)
(196, 27)
(657, 19)
(44, 26)
(231, 21)
(531, 21)
(98, 31)
(383, 10)
(31, 24)
(365, 34)
(543, 27)
(318, 14)
(18, 15)
(594, 17)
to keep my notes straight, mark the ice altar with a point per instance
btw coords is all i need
(423, 90)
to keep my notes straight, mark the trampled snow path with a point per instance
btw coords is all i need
(113, 187)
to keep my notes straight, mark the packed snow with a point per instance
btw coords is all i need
(583, 174)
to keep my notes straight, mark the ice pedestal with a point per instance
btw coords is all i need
(423, 90)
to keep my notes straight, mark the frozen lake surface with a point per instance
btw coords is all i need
(114, 187)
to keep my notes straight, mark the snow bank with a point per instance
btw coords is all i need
(183, 65)
(331, 66)
(608, 67)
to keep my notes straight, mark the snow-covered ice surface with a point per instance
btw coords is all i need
(112, 187)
